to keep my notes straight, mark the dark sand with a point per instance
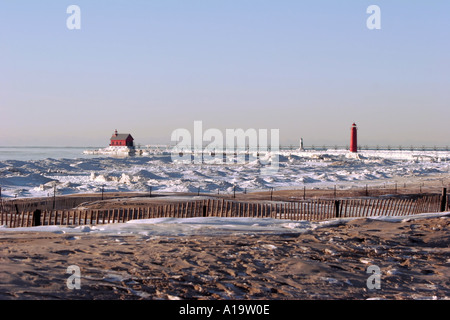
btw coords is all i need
(326, 263)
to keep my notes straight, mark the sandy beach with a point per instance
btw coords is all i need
(331, 262)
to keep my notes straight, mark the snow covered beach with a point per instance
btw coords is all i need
(174, 259)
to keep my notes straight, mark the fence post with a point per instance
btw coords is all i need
(54, 196)
(37, 217)
(443, 199)
(337, 205)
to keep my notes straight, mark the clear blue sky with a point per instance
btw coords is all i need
(309, 68)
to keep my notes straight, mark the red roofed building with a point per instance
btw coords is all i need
(121, 139)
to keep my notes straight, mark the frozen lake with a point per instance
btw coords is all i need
(27, 172)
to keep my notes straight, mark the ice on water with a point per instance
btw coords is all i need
(80, 174)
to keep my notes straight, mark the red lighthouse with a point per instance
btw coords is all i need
(353, 139)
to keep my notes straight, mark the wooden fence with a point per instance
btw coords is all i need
(59, 202)
(312, 210)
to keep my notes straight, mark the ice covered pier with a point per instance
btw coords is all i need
(119, 151)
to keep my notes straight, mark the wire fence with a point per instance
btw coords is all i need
(291, 193)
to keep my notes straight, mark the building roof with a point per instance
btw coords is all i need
(121, 136)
